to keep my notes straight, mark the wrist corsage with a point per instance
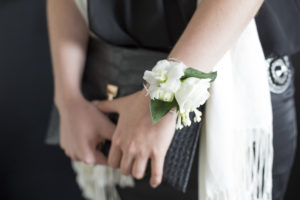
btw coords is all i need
(174, 85)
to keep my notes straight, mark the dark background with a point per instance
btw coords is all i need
(29, 169)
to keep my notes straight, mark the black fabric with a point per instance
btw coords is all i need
(284, 137)
(155, 24)
(278, 23)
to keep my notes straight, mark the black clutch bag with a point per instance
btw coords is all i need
(124, 67)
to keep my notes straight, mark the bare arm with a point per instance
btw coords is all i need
(68, 40)
(82, 125)
(214, 27)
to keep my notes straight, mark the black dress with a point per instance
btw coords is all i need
(157, 24)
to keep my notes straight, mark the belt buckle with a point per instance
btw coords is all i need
(279, 71)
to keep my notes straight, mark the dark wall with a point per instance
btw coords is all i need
(28, 168)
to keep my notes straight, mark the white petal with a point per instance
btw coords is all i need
(161, 65)
(192, 93)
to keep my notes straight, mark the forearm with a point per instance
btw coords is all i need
(68, 35)
(214, 27)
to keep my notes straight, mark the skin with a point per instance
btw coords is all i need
(214, 27)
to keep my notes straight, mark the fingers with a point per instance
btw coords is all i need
(73, 157)
(107, 106)
(99, 158)
(139, 166)
(82, 128)
(115, 155)
(126, 164)
(104, 123)
(157, 164)
(90, 154)
(105, 128)
(91, 157)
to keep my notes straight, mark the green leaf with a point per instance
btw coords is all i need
(160, 108)
(191, 72)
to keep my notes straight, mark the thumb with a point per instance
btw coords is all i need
(99, 157)
(106, 129)
(92, 156)
(107, 106)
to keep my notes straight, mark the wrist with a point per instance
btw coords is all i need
(144, 97)
(170, 116)
(64, 98)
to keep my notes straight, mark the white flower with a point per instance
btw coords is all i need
(164, 79)
(192, 93)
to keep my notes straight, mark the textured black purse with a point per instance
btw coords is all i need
(124, 68)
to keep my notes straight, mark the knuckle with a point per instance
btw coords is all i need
(116, 141)
(73, 157)
(156, 174)
(156, 152)
(88, 158)
(124, 171)
(88, 161)
(112, 164)
(131, 147)
(142, 153)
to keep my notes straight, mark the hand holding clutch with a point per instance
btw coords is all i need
(136, 139)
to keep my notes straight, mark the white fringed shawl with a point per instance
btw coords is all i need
(236, 150)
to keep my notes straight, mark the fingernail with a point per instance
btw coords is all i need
(154, 185)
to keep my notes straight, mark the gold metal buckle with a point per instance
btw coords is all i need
(111, 91)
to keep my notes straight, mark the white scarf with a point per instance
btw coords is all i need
(238, 115)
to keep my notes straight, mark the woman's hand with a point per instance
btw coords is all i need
(82, 128)
(136, 139)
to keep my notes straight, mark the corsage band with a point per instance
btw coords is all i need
(172, 84)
